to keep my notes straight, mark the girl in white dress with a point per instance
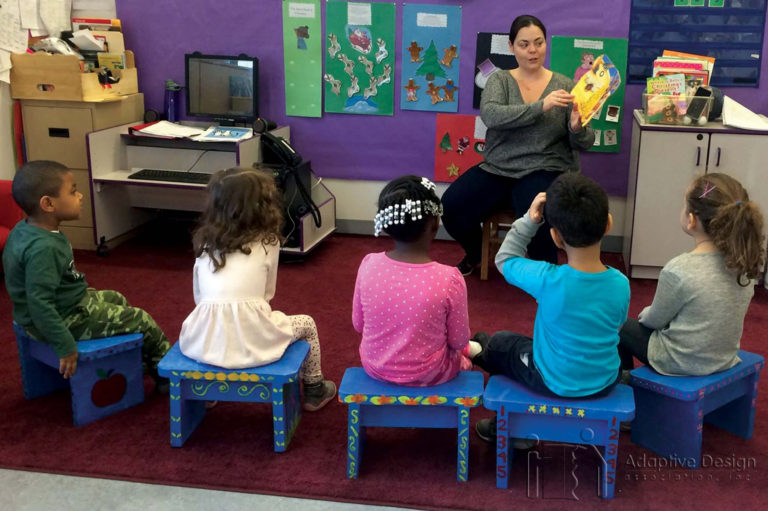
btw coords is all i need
(237, 244)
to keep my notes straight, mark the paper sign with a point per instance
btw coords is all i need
(500, 44)
(587, 43)
(428, 19)
(297, 10)
(359, 14)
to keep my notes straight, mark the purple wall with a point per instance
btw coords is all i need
(160, 32)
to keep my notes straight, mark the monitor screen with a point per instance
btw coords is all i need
(224, 88)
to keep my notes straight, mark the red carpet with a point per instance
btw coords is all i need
(232, 448)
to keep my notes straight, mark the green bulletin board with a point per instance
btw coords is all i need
(571, 56)
(359, 58)
(303, 56)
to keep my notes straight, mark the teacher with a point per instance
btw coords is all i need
(533, 134)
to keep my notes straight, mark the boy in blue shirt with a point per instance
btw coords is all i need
(51, 299)
(582, 304)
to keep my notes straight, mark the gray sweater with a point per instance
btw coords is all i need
(521, 138)
(697, 316)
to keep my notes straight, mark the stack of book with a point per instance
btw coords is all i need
(696, 68)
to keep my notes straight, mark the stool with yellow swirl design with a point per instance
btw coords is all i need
(381, 404)
(193, 383)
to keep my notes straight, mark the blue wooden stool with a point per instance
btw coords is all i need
(521, 413)
(108, 377)
(192, 383)
(376, 403)
(671, 410)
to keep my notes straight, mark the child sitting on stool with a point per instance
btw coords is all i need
(411, 310)
(582, 304)
(51, 299)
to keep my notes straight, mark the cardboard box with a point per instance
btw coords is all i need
(58, 78)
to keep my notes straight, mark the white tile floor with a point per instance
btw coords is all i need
(34, 491)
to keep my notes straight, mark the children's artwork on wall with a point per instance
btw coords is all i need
(459, 145)
(573, 57)
(430, 71)
(358, 62)
(303, 59)
(491, 54)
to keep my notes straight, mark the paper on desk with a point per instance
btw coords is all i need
(170, 129)
(736, 115)
(84, 40)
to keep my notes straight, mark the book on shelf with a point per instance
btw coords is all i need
(594, 87)
(111, 60)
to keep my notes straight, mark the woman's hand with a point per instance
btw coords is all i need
(536, 211)
(557, 98)
(575, 119)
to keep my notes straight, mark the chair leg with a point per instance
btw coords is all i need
(462, 462)
(609, 460)
(738, 416)
(355, 437)
(37, 379)
(186, 414)
(668, 427)
(292, 398)
(485, 249)
(502, 449)
(279, 418)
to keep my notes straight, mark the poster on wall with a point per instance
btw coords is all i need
(359, 58)
(492, 53)
(430, 58)
(459, 145)
(573, 57)
(303, 57)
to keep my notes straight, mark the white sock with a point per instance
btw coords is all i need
(474, 348)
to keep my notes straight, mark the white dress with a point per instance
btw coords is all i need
(233, 325)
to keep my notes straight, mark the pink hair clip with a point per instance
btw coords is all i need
(707, 188)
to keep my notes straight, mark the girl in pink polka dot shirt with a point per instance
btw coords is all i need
(411, 311)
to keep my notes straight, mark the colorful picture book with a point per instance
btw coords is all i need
(594, 87)
(696, 68)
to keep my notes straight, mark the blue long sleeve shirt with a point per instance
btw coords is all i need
(576, 331)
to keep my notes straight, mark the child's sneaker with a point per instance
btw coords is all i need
(465, 267)
(317, 395)
(486, 430)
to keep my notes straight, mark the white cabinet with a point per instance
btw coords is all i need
(663, 162)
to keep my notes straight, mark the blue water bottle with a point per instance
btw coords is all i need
(171, 100)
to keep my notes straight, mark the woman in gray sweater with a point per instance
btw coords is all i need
(533, 134)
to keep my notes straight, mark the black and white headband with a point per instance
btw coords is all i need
(395, 214)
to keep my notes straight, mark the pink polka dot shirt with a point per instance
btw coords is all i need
(413, 318)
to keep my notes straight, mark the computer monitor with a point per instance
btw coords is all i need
(223, 88)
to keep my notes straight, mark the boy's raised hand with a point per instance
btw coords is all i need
(67, 365)
(536, 211)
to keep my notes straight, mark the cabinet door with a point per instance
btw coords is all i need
(56, 133)
(667, 164)
(744, 157)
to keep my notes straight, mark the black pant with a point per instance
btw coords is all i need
(633, 342)
(503, 356)
(477, 194)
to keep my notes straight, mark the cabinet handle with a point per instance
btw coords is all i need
(698, 156)
(718, 158)
(58, 132)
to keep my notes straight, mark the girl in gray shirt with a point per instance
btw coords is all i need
(694, 325)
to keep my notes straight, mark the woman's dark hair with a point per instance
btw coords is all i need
(525, 20)
(732, 221)
(412, 188)
(243, 206)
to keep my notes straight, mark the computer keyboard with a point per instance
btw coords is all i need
(174, 176)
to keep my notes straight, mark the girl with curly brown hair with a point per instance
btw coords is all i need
(694, 325)
(237, 244)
